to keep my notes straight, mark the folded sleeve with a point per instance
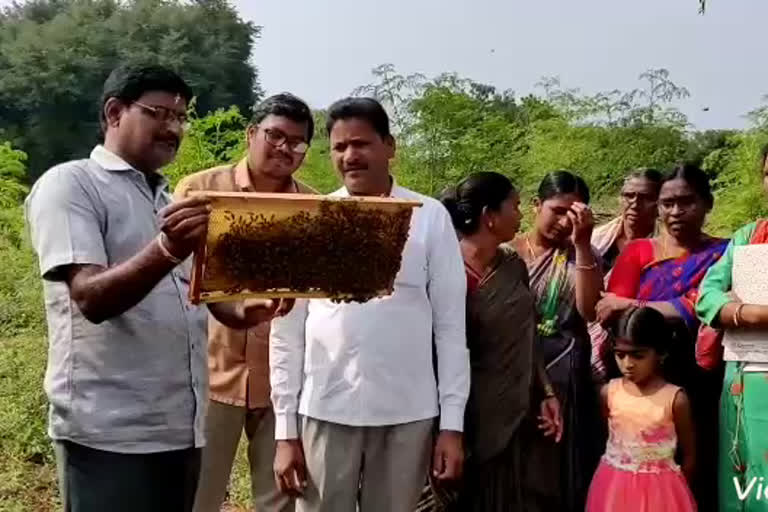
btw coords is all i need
(286, 368)
(447, 288)
(65, 219)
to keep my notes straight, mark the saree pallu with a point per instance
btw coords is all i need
(640, 275)
(500, 333)
(557, 476)
(603, 241)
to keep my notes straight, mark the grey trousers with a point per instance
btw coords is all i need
(225, 425)
(379, 469)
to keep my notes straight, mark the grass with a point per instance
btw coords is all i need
(27, 468)
(27, 472)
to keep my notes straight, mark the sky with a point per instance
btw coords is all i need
(322, 49)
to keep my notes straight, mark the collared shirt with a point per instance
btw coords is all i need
(371, 364)
(238, 359)
(137, 382)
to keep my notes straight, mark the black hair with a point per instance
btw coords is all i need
(563, 182)
(367, 109)
(643, 327)
(465, 201)
(763, 156)
(697, 179)
(646, 173)
(129, 83)
(285, 105)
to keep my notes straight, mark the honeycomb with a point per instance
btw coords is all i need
(345, 250)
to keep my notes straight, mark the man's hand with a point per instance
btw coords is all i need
(249, 312)
(183, 224)
(255, 311)
(550, 418)
(448, 459)
(290, 468)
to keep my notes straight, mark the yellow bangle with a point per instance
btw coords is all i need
(737, 315)
(170, 257)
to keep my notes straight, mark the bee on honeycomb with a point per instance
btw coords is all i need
(349, 253)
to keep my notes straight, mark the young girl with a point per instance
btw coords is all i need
(647, 418)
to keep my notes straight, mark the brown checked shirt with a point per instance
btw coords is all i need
(238, 359)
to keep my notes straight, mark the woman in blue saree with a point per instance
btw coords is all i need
(664, 273)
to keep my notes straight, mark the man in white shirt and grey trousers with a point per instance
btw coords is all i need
(353, 385)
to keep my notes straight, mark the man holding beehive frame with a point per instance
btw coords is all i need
(126, 376)
(353, 386)
(278, 137)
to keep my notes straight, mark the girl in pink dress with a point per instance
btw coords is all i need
(647, 419)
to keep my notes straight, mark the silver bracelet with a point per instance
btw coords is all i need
(170, 257)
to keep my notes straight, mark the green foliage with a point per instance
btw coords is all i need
(739, 196)
(28, 474)
(460, 127)
(22, 417)
(215, 139)
(647, 105)
(21, 304)
(20, 292)
(56, 54)
(317, 170)
(701, 144)
(12, 175)
(600, 154)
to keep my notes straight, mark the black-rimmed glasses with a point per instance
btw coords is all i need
(277, 138)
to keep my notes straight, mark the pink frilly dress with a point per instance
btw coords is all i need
(638, 472)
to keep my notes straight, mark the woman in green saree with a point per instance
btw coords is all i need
(566, 280)
(500, 333)
(743, 461)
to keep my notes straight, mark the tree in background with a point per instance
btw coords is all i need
(459, 127)
(56, 54)
(394, 91)
(450, 126)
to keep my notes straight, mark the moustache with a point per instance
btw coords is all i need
(170, 141)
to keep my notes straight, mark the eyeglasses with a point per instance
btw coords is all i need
(164, 114)
(278, 138)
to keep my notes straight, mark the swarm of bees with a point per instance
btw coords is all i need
(349, 253)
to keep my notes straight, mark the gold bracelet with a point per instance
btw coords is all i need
(737, 315)
(593, 266)
(170, 257)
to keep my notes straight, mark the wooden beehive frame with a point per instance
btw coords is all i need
(280, 204)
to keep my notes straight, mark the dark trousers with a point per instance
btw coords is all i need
(98, 481)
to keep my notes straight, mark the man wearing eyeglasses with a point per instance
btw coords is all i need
(127, 376)
(278, 137)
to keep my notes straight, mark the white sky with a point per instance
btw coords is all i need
(322, 49)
